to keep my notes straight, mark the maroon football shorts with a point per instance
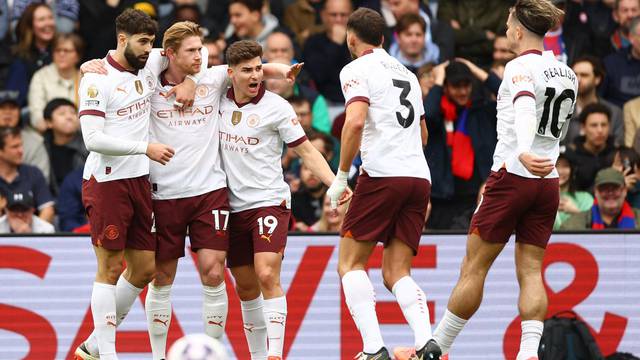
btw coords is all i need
(120, 213)
(257, 230)
(511, 202)
(384, 208)
(206, 217)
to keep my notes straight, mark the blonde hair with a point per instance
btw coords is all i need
(537, 16)
(179, 31)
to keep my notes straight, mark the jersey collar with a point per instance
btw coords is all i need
(232, 96)
(163, 79)
(531, 51)
(119, 67)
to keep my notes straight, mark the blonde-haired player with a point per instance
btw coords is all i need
(535, 102)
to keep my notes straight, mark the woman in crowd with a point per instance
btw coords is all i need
(330, 221)
(571, 201)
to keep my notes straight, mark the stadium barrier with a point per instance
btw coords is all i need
(45, 291)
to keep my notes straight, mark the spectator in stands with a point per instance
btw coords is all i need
(426, 78)
(63, 140)
(57, 80)
(306, 203)
(302, 107)
(501, 54)
(278, 45)
(35, 33)
(71, 213)
(594, 150)
(439, 37)
(18, 177)
(287, 90)
(330, 220)
(623, 12)
(590, 74)
(462, 137)
(475, 24)
(216, 48)
(610, 210)
(34, 152)
(326, 53)
(20, 218)
(572, 201)
(248, 22)
(409, 47)
(632, 123)
(567, 41)
(622, 81)
(626, 160)
(303, 18)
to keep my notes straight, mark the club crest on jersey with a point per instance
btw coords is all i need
(202, 91)
(253, 120)
(236, 117)
(139, 87)
(92, 91)
(150, 81)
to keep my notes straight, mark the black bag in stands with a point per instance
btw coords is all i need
(622, 356)
(566, 337)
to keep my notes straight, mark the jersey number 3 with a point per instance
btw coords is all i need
(552, 110)
(405, 122)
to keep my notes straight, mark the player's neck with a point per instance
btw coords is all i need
(240, 97)
(119, 57)
(363, 48)
(530, 44)
(174, 75)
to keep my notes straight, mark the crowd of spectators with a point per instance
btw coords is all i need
(457, 48)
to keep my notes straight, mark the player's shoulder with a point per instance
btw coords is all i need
(272, 99)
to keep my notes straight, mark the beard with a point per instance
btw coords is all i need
(133, 60)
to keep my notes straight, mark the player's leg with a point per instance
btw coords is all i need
(532, 302)
(396, 273)
(158, 306)
(251, 302)
(215, 304)
(358, 291)
(467, 294)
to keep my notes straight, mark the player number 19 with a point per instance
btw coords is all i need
(269, 221)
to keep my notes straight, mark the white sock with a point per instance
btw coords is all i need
(447, 330)
(215, 306)
(157, 307)
(275, 315)
(413, 303)
(530, 340)
(255, 329)
(360, 298)
(126, 294)
(103, 309)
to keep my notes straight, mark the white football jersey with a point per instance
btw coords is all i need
(195, 168)
(251, 144)
(554, 86)
(391, 140)
(123, 98)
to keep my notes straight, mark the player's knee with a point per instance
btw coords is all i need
(268, 277)
(391, 276)
(344, 267)
(212, 275)
(247, 291)
(111, 273)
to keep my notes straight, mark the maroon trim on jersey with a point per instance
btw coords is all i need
(523, 93)
(297, 142)
(163, 79)
(357, 98)
(367, 52)
(256, 99)
(423, 117)
(531, 51)
(91, 112)
(119, 67)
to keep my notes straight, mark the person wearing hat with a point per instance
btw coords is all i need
(610, 210)
(20, 218)
(462, 137)
(33, 144)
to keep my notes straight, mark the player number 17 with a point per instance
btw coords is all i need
(216, 219)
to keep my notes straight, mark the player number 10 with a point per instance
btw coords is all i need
(216, 219)
(269, 221)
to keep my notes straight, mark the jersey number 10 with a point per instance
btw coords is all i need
(552, 109)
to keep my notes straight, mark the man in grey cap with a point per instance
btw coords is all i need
(20, 218)
(610, 210)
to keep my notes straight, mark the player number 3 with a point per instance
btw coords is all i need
(405, 122)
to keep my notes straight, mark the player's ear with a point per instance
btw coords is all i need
(229, 71)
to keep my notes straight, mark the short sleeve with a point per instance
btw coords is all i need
(93, 95)
(354, 86)
(519, 81)
(289, 127)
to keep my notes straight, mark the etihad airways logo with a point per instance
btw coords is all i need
(140, 105)
(173, 113)
(238, 139)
